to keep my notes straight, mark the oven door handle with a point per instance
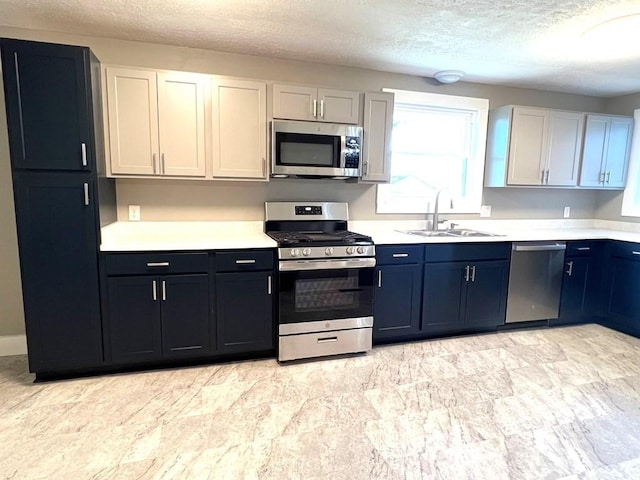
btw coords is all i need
(322, 264)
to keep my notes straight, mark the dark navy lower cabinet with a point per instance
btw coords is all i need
(621, 304)
(398, 292)
(243, 306)
(465, 287)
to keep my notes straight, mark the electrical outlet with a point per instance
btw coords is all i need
(134, 213)
(567, 212)
(485, 211)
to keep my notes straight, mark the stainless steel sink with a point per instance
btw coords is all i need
(457, 232)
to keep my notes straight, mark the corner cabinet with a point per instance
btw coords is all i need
(156, 122)
(533, 147)
(298, 102)
(607, 145)
(239, 129)
(376, 146)
(621, 302)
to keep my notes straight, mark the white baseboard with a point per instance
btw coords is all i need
(13, 345)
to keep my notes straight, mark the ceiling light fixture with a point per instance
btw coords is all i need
(614, 38)
(448, 76)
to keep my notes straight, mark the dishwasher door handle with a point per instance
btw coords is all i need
(538, 248)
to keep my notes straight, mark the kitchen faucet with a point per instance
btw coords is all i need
(436, 209)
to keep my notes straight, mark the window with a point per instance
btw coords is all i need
(631, 197)
(438, 142)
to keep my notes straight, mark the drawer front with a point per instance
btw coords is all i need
(453, 252)
(399, 254)
(581, 248)
(630, 251)
(156, 263)
(243, 260)
(335, 342)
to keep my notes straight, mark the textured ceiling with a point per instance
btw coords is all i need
(524, 43)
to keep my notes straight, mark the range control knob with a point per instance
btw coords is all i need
(306, 252)
(295, 252)
(350, 250)
(328, 251)
(361, 250)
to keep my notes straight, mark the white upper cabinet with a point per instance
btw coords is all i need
(239, 129)
(533, 146)
(376, 143)
(295, 102)
(156, 122)
(606, 151)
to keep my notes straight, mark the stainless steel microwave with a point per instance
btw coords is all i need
(308, 149)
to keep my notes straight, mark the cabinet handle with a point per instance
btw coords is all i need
(608, 177)
(379, 278)
(473, 273)
(154, 290)
(602, 177)
(466, 273)
(86, 193)
(315, 108)
(162, 161)
(327, 339)
(400, 255)
(366, 169)
(570, 265)
(547, 178)
(321, 108)
(157, 264)
(583, 249)
(153, 159)
(245, 262)
(542, 178)
(164, 291)
(269, 285)
(635, 253)
(83, 149)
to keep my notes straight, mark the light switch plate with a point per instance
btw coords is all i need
(485, 211)
(134, 213)
(567, 212)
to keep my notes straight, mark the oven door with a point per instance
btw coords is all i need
(325, 294)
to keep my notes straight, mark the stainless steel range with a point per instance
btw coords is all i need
(325, 280)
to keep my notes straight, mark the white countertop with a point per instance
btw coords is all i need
(173, 236)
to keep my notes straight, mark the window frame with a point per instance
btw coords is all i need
(631, 195)
(479, 109)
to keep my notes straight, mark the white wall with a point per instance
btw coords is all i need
(181, 200)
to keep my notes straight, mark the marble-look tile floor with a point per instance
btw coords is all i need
(558, 403)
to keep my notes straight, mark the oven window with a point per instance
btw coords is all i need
(309, 296)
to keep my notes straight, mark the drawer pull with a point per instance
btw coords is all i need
(584, 249)
(635, 253)
(400, 255)
(269, 285)
(157, 264)
(327, 339)
(245, 262)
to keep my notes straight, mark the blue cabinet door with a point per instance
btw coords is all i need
(485, 301)
(442, 293)
(397, 302)
(622, 300)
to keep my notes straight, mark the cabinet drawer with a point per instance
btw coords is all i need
(582, 248)
(453, 252)
(243, 260)
(630, 251)
(156, 263)
(398, 254)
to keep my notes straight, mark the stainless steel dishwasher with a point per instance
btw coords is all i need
(535, 280)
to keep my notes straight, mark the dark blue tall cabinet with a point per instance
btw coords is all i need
(61, 199)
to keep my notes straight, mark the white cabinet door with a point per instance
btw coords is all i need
(294, 102)
(132, 121)
(618, 150)
(376, 143)
(181, 104)
(239, 129)
(564, 148)
(338, 106)
(595, 149)
(528, 147)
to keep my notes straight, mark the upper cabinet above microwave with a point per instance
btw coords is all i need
(296, 102)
